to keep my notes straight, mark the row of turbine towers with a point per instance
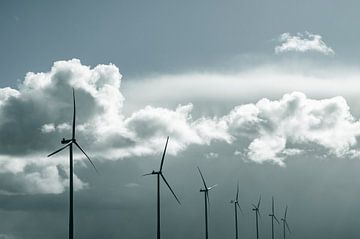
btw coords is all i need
(69, 143)
(205, 190)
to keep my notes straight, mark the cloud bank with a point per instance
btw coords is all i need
(302, 42)
(34, 117)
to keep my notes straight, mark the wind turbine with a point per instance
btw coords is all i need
(160, 174)
(285, 224)
(69, 143)
(236, 206)
(273, 217)
(257, 215)
(206, 190)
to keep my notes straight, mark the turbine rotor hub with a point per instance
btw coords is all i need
(65, 141)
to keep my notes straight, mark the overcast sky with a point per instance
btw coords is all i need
(264, 92)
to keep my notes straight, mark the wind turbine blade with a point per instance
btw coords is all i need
(202, 177)
(147, 174)
(86, 156)
(253, 205)
(287, 226)
(285, 212)
(170, 188)
(242, 213)
(258, 212)
(276, 219)
(74, 116)
(258, 205)
(57, 151)
(163, 156)
(213, 186)
(272, 205)
(237, 191)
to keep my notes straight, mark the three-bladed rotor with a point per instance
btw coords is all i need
(285, 221)
(206, 189)
(256, 208)
(68, 142)
(161, 173)
(273, 211)
(236, 200)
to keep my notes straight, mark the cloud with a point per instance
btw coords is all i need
(214, 89)
(35, 174)
(131, 185)
(302, 42)
(211, 155)
(273, 126)
(6, 236)
(34, 117)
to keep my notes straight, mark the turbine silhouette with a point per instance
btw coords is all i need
(273, 217)
(160, 174)
(285, 224)
(69, 143)
(256, 209)
(206, 190)
(236, 206)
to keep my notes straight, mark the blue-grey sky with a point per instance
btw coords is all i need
(144, 37)
(264, 92)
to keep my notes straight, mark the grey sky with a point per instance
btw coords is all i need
(212, 58)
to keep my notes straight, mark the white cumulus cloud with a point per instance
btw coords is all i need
(294, 120)
(303, 42)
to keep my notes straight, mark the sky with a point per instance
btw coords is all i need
(263, 93)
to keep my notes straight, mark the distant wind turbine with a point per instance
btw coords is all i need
(273, 217)
(256, 209)
(206, 190)
(160, 174)
(69, 143)
(285, 224)
(236, 206)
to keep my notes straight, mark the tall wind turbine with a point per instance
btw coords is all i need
(256, 209)
(285, 224)
(206, 190)
(69, 143)
(273, 217)
(160, 174)
(236, 206)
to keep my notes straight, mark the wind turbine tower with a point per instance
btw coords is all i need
(206, 190)
(159, 174)
(273, 217)
(256, 209)
(236, 206)
(285, 224)
(69, 143)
